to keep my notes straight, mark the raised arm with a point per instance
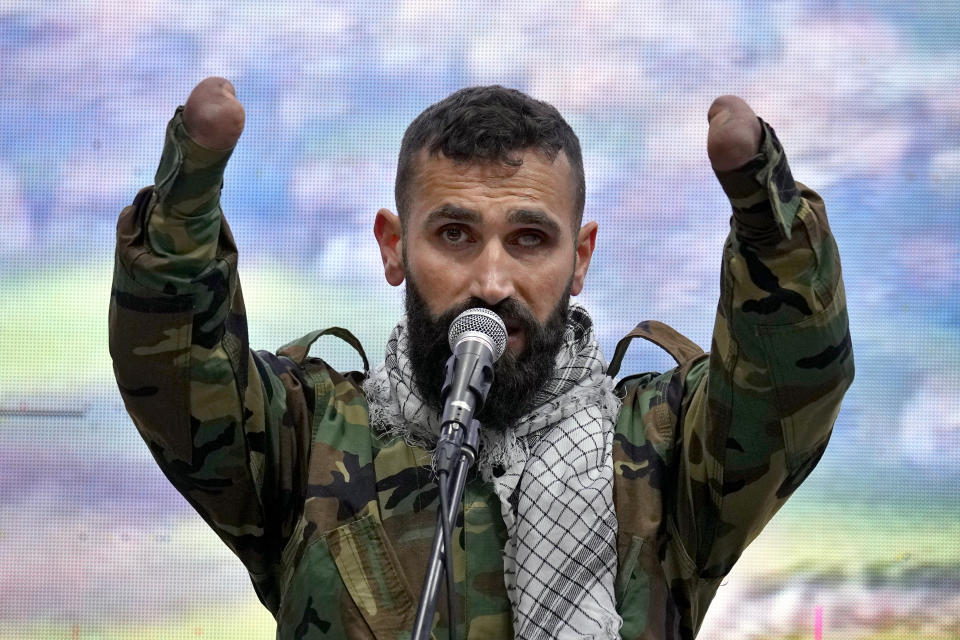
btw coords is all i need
(757, 415)
(212, 412)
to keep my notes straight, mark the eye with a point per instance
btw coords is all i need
(529, 239)
(454, 235)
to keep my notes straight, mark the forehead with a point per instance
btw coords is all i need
(536, 182)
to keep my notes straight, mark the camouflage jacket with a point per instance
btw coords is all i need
(333, 523)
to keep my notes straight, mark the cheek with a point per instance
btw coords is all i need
(544, 287)
(439, 281)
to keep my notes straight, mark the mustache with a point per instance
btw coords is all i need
(513, 312)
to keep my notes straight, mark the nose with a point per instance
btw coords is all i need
(493, 276)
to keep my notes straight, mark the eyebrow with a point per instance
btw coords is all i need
(454, 213)
(536, 217)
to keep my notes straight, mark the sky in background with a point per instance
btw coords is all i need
(865, 97)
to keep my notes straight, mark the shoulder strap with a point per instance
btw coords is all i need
(681, 348)
(298, 350)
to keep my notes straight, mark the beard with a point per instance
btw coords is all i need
(516, 377)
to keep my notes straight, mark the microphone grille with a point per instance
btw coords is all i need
(480, 320)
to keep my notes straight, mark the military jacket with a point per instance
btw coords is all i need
(334, 523)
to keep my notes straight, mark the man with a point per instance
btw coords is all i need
(594, 512)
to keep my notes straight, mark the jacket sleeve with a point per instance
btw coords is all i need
(757, 414)
(226, 425)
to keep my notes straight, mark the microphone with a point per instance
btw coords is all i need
(477, 338)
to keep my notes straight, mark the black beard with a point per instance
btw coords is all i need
(516, 378)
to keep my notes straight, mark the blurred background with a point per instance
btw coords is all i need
(865, 97)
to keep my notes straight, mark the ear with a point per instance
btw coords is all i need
(389, 234)
(586, 240)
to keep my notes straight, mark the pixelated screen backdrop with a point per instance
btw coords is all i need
(865, 97)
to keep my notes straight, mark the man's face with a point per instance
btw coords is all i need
(492, 234)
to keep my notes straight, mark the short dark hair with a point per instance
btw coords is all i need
(489, 123)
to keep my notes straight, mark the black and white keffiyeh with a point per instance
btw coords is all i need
(553, 474)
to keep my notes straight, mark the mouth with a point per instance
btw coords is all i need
(512, 326)
(515, 335)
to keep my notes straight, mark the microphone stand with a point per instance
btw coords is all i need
(456, 453)
(477, 338)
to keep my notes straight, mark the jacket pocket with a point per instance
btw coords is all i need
(371, 574)
(311, 605)
(811, 367)
(633, 591)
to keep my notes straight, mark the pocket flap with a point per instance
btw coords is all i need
(371, 572)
